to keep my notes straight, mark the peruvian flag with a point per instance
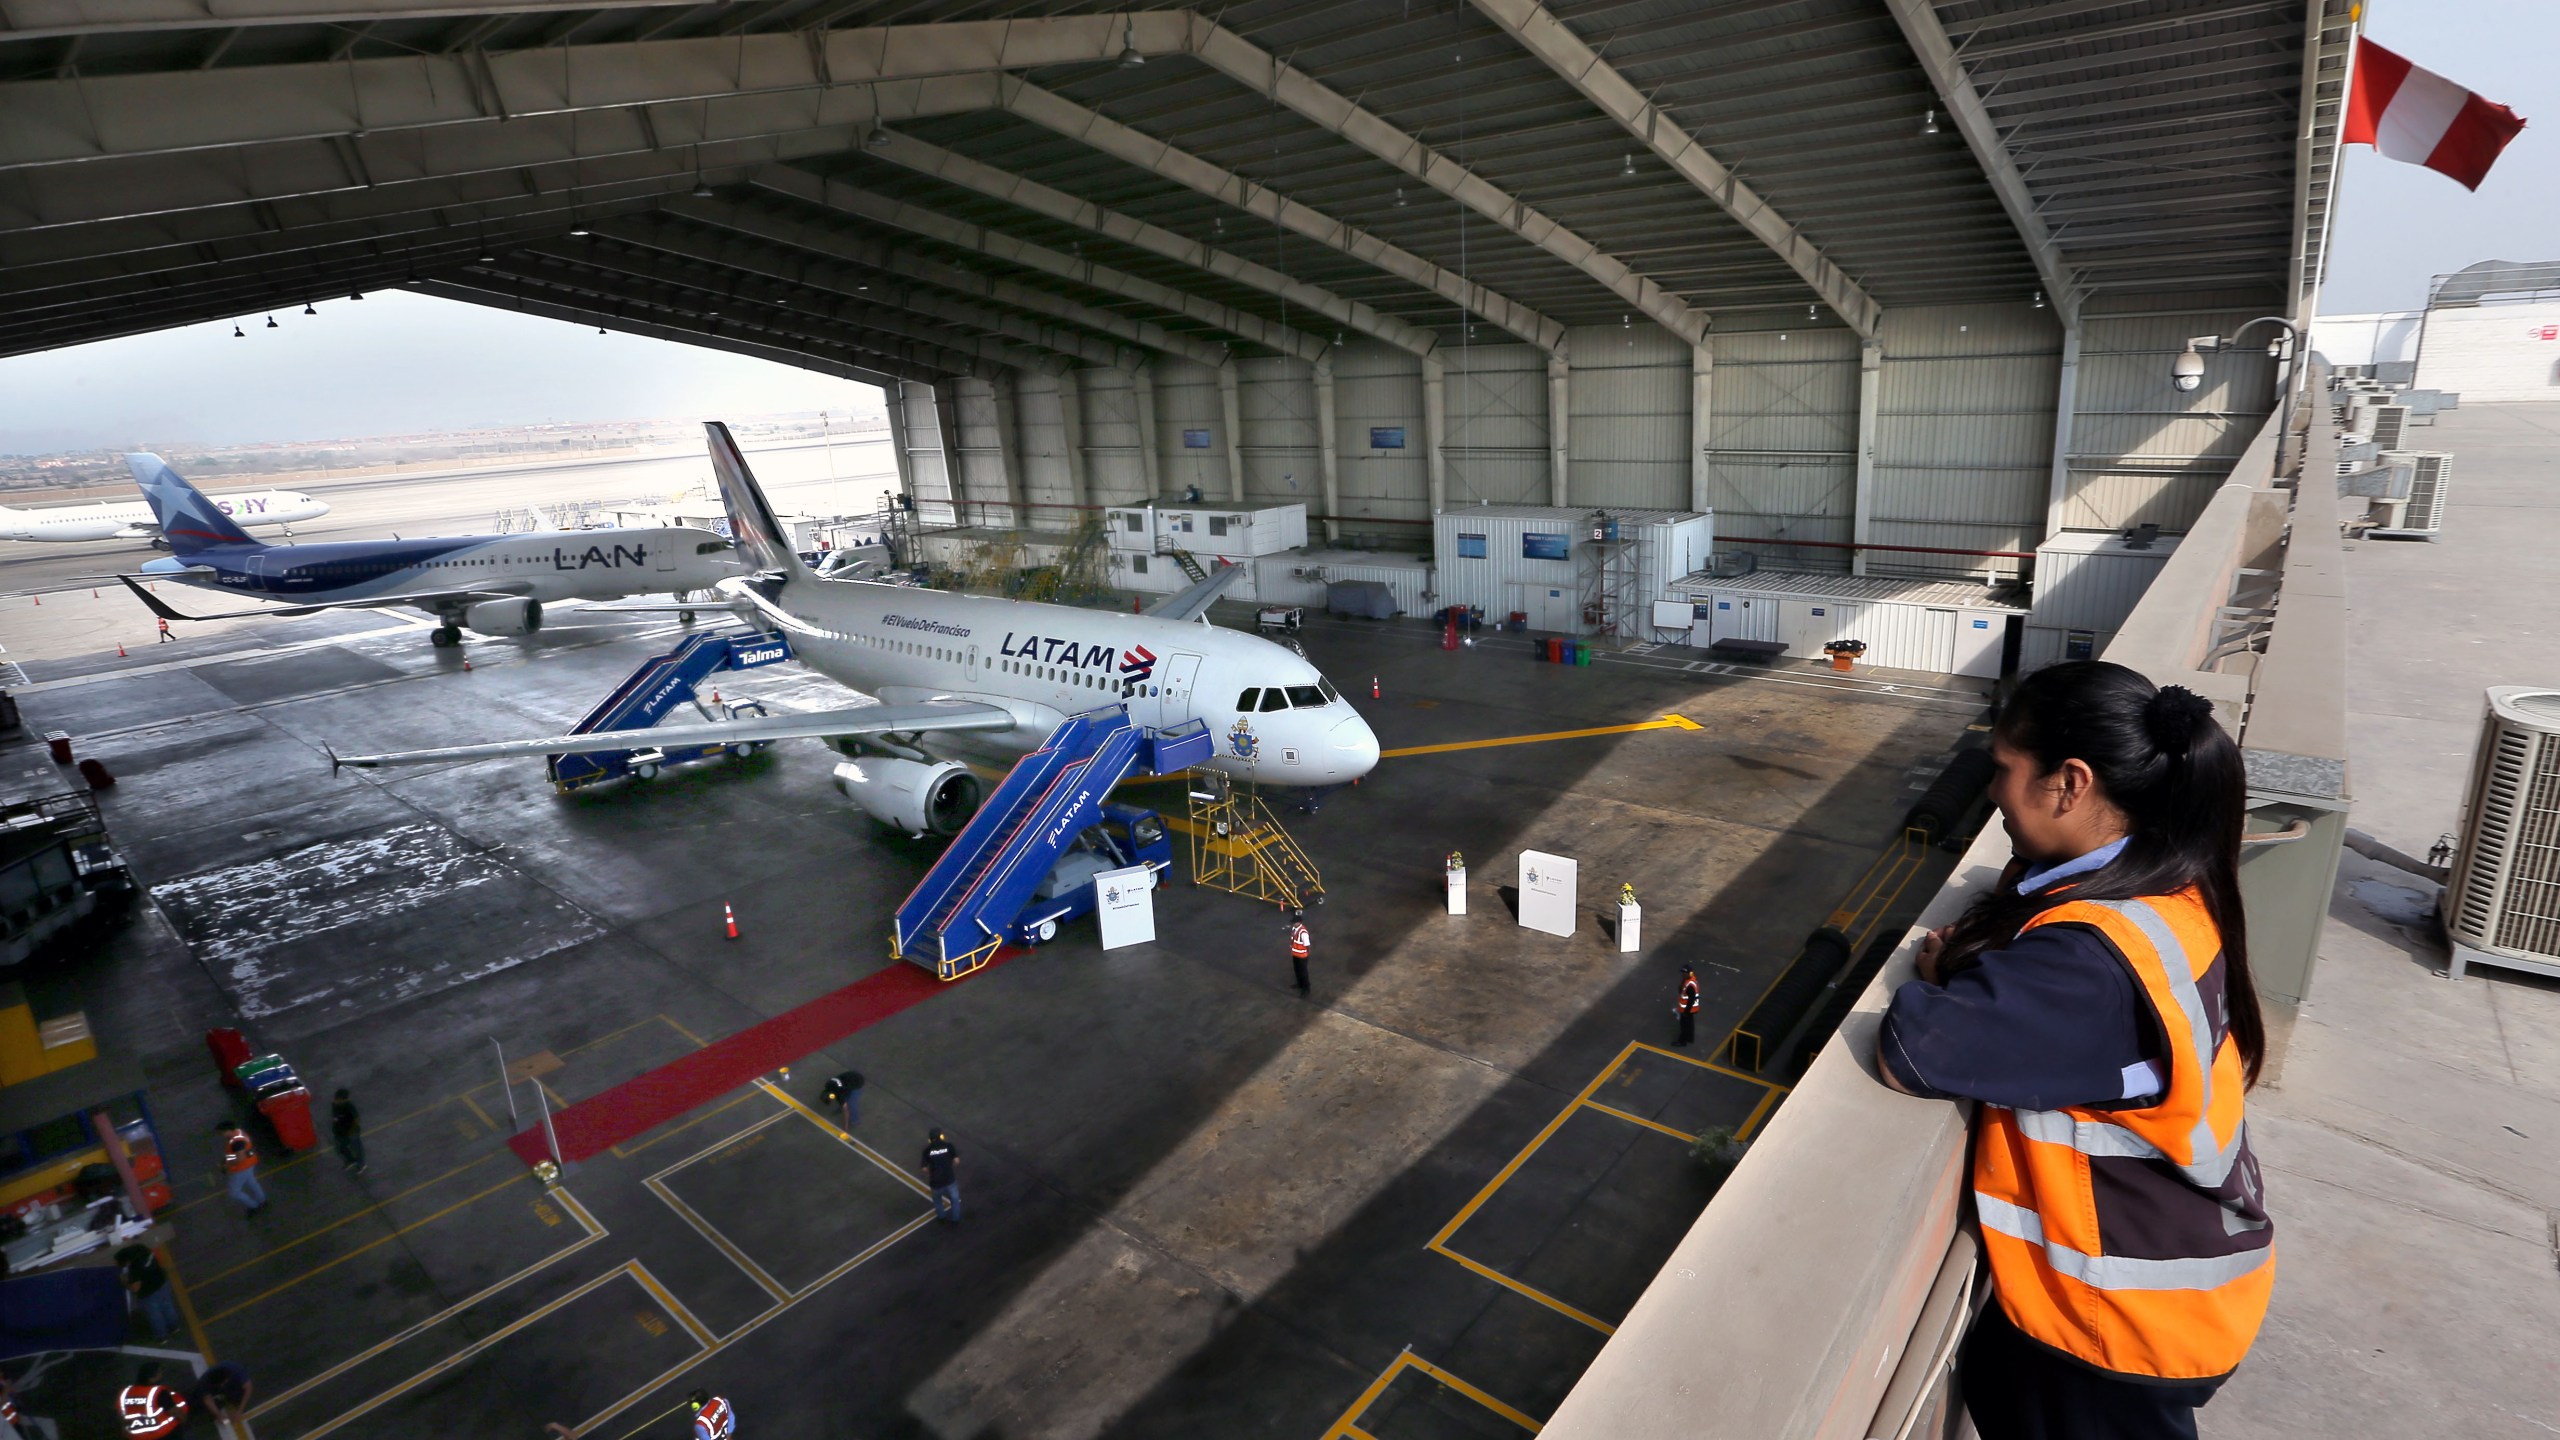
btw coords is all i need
(2421, 117)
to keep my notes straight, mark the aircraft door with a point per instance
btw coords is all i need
(664, 558)
(1181, 670)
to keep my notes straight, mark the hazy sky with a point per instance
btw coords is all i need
(391, 363)
(2399, 224)
(395, 363)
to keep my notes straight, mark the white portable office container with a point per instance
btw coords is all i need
(1300, 577)
(1569, 570)
(1238, 532)
(2091, 579)
(1943, 627)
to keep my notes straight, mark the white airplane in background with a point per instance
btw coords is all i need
(134, 520)
(980, 675)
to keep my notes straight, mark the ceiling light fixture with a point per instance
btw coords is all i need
(878, 139)
(1811, 313)
(579, 232)
(1400, 200)
(1130, 59)
(2039, 299)
(1929, 123)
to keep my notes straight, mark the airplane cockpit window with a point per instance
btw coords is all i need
(712, 547)
(1330, 694)
(1275, 698)
(1306, 697)
(1244, 702)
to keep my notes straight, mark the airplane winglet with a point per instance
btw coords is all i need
(158, 607)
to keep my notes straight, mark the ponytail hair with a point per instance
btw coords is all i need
(2161, 759)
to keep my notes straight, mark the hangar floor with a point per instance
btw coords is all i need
(1195, 1203)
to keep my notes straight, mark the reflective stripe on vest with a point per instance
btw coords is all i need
(150, 1410)
(238, 1154)
(1688, 1001)
(2055, 1189)
(1298, 942)
(715, 1420)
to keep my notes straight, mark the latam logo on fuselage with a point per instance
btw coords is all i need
(1138, 664)
(594, 555)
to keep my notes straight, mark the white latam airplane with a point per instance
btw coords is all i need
(134, 520)
(978, 675)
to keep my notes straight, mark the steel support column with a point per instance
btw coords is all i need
(1435, 430)
(2066, 410)
(1863, 514)
(1071, 420)
(1328, 448)
(1559, 423)
(1143, 384)
(1004, 406)
(1231, 405)
(1702, 395)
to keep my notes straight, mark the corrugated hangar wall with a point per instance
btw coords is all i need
(1963, 436)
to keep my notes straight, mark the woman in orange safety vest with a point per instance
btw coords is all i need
(148, 1408)
(2097, 1003)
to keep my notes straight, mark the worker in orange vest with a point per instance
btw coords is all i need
(1298, 945)
(713, 1418)
(240, 1169)
(1686, 1007)
(148, 1407)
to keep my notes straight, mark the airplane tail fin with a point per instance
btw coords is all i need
(760, 539)
(188, 520)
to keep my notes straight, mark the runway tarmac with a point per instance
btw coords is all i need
(467, 502)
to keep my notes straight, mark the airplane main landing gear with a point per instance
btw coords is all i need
(445, 637)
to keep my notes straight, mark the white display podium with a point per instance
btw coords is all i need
(1125, 904)
(1458, 891)
(1548, 889)
(1630, 926)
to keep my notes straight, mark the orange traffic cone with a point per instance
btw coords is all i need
(93, 592)
(729, 918)
(1373, 687)
(39, 602)
(119, 650)
(466, 663)
(715, 697)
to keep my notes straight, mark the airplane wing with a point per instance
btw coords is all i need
(162, 608)
(1193, 603)
(815, 725)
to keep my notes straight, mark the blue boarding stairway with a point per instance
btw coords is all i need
(653, 691)
(954, 919)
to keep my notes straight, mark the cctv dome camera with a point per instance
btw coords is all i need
(2188, 372)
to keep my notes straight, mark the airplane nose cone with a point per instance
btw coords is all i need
(1355, 746)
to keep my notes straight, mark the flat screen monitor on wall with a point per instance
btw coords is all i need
(1540, 545)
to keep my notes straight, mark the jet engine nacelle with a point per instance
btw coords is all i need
(918, 798)
(519, 616)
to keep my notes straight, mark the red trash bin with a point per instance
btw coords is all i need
(290, 1112)
(58, 744)
(229, 1048)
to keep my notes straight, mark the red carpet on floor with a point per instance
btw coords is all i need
(646, 1101)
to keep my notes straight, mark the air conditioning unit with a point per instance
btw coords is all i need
(2430, 482)
(2502, 906)
(2390, 422)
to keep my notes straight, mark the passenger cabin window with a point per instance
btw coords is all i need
(1275, 698)
(1244, 702)
(1305, 697)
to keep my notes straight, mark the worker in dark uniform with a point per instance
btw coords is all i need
(1298, 947)
(1686, 1007)
(147, 1408)
(713, 1417)
(224, 1393)
(940, 1158)
(346, 1128)
(844, 1091)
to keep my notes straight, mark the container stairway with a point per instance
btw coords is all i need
(952, 921)
(1189, 562)
(653, 691)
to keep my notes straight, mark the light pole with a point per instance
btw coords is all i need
(2187, 372)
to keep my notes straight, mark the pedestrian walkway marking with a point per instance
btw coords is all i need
(595, 1232)
(304, 1239)
(1348, 1427)
(1667, 722)
(1439, 1244)
(328, 1265)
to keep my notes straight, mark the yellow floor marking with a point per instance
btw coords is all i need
(595, 1232)
(266, 1172)
(256, 1261)
(1348, 1427)
(1439, 1244)
(698, 1041)
(704, 1228)
(186, 1302)
(674, 1307)
(477, 1113)
(325, 1267)
(470, 1350)
(838, 1131)
(625, 1152)
(676, 1371)
(1667, 722)
(1638, 1120)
